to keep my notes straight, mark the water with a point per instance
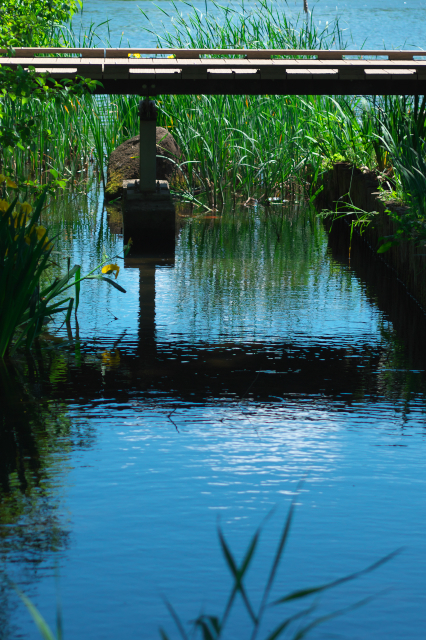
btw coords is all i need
(252, 358)
(373, 24)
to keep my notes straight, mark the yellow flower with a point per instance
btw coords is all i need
(2, 178)
(26, 208)
(172, 56)
(40, 231)
(4, 205)
(11, 184)
(110, 269)
(23, 207)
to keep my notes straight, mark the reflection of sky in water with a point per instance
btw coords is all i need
(393, 23)
(144, 504)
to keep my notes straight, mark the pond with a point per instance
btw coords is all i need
(253, 357)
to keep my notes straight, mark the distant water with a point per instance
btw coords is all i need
(372, 23)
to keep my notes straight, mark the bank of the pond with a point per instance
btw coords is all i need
(361, 208)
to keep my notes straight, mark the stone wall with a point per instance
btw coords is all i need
(346, 184)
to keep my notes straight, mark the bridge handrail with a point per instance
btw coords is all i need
(251, 54)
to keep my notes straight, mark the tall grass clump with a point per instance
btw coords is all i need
(257, 146)
(27, 301)
(249, 145)
(233, 146)
(72, 132)
(408, 161)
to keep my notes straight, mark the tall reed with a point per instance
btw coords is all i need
(247, 146)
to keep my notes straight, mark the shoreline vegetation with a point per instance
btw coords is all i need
(251, 149)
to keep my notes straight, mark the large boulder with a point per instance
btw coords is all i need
(124, 162)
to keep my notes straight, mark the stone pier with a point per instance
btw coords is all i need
(149, 216)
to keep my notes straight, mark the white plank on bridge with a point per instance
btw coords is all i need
(312, 74)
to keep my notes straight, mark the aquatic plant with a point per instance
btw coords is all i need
(25, 256)
(212, 627)
(409, 172)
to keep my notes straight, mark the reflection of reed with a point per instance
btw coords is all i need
(257, 255)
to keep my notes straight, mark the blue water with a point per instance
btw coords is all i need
(373, 24)
(225, 375)
(203, 396)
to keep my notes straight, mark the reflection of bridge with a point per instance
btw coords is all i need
(233, 71)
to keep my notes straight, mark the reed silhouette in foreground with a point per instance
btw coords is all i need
(212, 627)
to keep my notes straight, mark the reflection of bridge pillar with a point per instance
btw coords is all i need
(147, 327)
(146, 331)
(148, 210)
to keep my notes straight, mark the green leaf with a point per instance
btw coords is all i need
(70, 305)
(113, 283)
(303, 593)
(283, 626)
(41, 623)
(77, 287)
(385, 247)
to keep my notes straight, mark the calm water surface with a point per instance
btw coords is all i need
(252, 357)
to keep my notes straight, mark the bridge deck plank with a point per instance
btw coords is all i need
(232, 71)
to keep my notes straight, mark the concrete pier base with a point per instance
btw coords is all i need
(149, 217)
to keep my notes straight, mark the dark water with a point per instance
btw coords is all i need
(253, 357)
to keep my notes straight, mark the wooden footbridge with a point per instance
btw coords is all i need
(232, 71)
(148, 211)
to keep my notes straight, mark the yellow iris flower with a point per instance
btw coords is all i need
(40, 231)
(4, 205)
(26, 208)
(110, 269)
(11, 184)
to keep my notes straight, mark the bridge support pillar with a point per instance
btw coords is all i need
(148, 210)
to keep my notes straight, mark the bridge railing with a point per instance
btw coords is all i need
(192, 54)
